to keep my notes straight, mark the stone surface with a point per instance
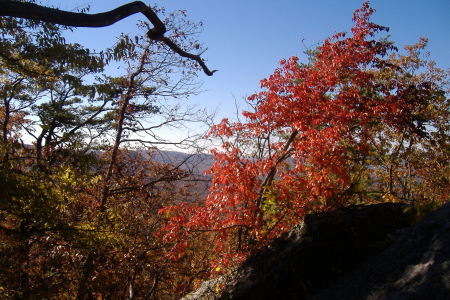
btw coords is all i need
(313, 255)
(415, 266)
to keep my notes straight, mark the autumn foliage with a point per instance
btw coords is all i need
(304, 146)
(78, 207)
(87, 213)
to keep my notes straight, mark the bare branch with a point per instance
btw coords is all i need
(52, 15)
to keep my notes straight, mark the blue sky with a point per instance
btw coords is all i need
(247, 38)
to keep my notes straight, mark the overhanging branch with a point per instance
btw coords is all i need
(52, 15)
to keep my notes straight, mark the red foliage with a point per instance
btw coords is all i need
(319, 115)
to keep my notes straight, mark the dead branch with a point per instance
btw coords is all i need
(36, 12)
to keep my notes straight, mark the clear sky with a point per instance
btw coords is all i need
(247, 38)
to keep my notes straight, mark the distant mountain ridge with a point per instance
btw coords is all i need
(198, 163)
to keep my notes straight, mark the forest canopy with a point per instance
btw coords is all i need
(85, 212)
(78, 208)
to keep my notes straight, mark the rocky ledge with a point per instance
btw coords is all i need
(358, 252)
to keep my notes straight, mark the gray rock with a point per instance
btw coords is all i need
(313, 255)
(415, 266)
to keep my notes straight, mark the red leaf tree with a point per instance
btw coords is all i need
(294, 152)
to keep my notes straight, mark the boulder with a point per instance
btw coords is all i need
(314, 255)
(415, 266)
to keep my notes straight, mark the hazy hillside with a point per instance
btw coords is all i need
(198, 163)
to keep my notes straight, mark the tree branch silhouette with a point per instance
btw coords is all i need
(37, 12)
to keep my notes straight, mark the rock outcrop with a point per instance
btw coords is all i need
(415, 266)
(313, 256)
